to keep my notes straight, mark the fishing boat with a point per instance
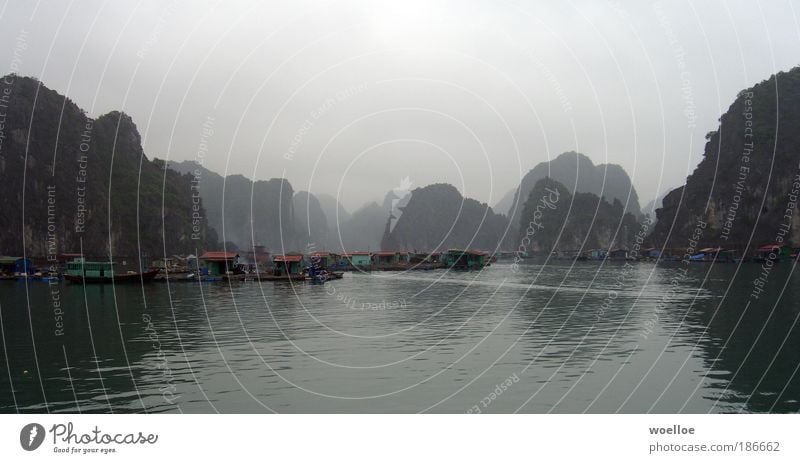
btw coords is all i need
(80, 271)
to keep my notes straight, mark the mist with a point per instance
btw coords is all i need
(351, 98)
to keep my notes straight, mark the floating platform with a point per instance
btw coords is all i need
(143, 277)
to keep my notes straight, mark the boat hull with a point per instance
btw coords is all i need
(125, 278)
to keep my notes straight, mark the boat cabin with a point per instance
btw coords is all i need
(357, 259)
(81, 268)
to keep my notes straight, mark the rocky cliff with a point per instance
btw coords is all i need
(437, 217)
(744, 191)
(553, 219)
(579, 174)
(71, 182)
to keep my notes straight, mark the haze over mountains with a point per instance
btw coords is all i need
(245, 212)
(624, 111)
(103, 193)
(579, 174)
(282, 219)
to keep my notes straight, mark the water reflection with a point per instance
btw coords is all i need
(579, 338)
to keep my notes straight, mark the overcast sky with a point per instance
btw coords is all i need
(348, 98)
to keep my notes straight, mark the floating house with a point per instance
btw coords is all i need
(466, 259)
(357, 259)
(220, 262)
(386, 258)
(325, 259)
(426, 258)
(289, 264)
(81, 268)
(15, 265)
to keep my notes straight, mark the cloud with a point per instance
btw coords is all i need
(470, 93)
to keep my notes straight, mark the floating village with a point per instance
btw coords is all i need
(258, 264)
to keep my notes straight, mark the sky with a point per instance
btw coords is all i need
(354, 98)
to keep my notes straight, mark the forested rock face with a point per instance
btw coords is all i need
(576, 172)
(245, 212)
(438, 217)
(70, 181)
(553, 219)
(745, 183)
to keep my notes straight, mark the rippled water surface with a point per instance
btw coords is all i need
(548, 338)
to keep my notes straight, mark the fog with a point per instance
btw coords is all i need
(348, 98)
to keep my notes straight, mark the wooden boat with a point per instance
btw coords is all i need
(80, 271)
